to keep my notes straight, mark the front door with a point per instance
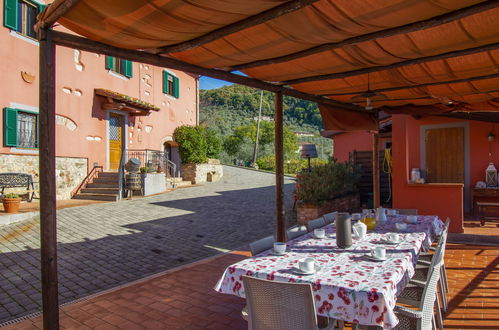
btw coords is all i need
(445, 155)
(115, 140)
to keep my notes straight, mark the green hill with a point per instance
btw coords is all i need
(230, 106)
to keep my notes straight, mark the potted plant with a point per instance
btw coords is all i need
(11, 203)
(326, 188)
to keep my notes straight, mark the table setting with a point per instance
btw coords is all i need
(355, 279)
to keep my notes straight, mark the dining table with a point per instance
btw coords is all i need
(348, 284)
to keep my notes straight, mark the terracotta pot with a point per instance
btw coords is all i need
(11, 205)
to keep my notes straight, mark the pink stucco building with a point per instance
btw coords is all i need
(104, 105)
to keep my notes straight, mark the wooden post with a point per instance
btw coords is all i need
(48, 229)
(279, 169)
(375, 162)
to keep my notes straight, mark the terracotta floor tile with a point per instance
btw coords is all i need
(185, 299)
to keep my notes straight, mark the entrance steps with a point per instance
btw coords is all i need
(105, 187)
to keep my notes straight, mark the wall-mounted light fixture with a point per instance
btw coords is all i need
(491, 137)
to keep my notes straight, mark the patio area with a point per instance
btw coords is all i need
(183, 298)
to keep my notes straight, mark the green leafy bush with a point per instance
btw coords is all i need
(327, 181)
(291, 166)
(213, 144)
(192, 144)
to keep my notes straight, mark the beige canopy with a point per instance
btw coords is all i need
(440, 55)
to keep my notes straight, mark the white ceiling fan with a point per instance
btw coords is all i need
(368, 96)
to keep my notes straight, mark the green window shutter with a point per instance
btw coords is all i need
(109, 63)
(128, 69)
(10, 14)
(165, 82)
(9, 127)
(176, 87)
(41, 7)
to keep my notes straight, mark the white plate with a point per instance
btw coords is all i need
(298, 271)
(280, 254)
(370, 257)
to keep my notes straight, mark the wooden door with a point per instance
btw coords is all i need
(115, 140)
(445, 155)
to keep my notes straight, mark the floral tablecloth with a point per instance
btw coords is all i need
(348, 286)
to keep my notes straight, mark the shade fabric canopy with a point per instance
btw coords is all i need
(425, 56)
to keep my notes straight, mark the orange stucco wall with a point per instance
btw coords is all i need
(346, 142)
(450, 200)
(148, 132)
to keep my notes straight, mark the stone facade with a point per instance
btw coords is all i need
(306, 212)
(198, 173)
(70, 172)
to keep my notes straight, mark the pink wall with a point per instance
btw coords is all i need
(20, 55)
(345, 143)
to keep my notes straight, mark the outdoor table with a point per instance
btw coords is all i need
(349, 285)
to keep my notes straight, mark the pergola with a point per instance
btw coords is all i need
(427, 58)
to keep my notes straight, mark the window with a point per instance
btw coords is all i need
(171, 85)
(119, 65)
(20, 16)
(20, 128)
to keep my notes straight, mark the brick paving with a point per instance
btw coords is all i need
(105, 245)
(185, 299)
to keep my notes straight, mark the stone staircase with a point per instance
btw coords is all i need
(104, 187)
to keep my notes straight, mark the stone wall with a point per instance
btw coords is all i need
(198, 173)
(70, 172)
(306, 212)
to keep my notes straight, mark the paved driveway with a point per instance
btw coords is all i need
(105, 245)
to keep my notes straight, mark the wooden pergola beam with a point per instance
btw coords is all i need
(60, 11)
(414, 61)
(455, 81)
(246, 23)
(48, 186)
(411, 27)
(73, 41)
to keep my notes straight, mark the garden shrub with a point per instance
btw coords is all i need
(327, 181)
(192, 144)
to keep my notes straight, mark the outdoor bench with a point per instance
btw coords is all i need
(18, 180)
(483, 208)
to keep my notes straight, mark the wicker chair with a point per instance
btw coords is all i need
(261, 245)
(295, 232)
(413, 294)
(316, 223)
(280, 305)
(423, 317)
(407, 211)
(330, 217)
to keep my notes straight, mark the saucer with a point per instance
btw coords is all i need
(372, 258)
(387, 241)
(279, 254)
(314, 237)
(298, 271)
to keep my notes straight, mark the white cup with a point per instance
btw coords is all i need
(412, 219)
(392, 212)
(379, 252)
(393, 237)
(319, 233)
(279, 247)
(307, 264)
(401, 226)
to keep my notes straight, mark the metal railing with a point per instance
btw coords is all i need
(152, 160)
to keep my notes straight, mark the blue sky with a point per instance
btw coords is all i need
(210, 83)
